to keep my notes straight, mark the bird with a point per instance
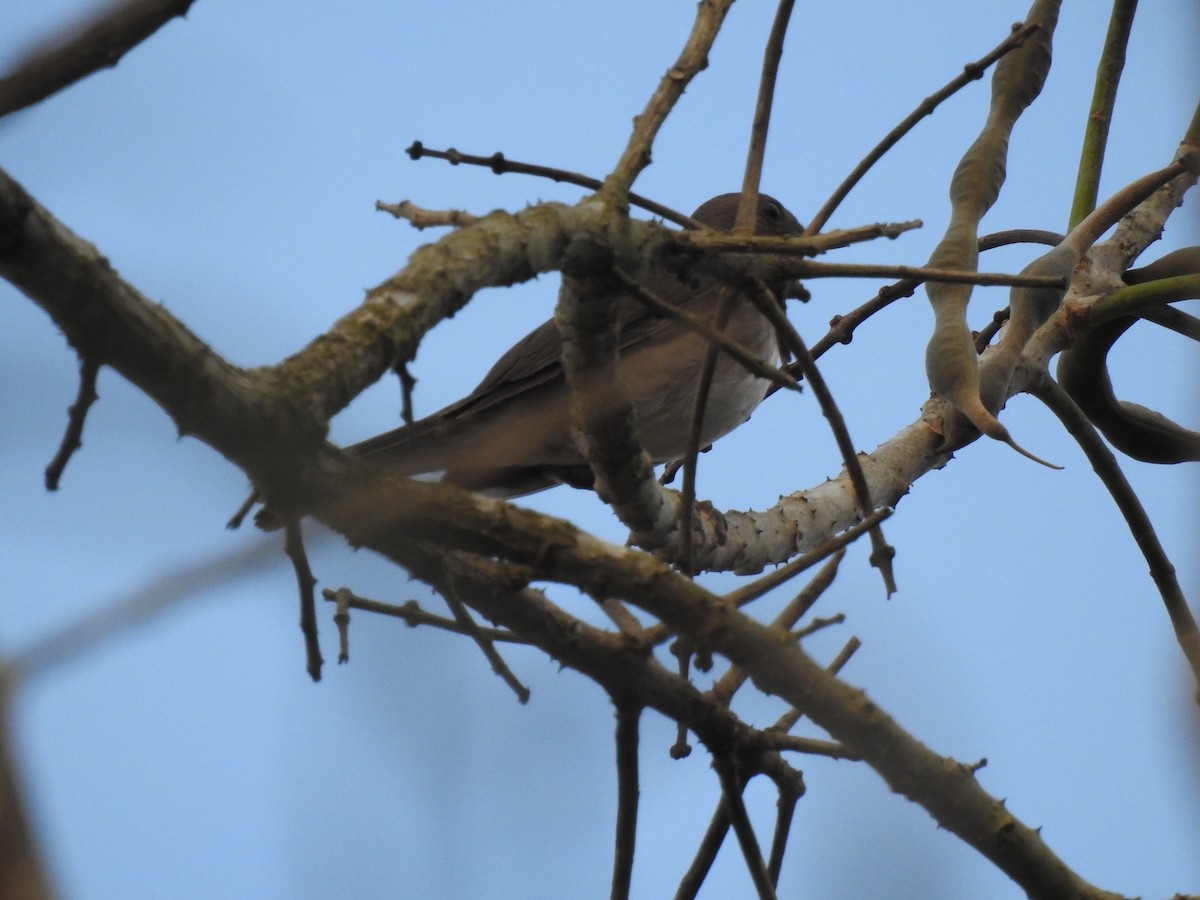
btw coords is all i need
(512, 435)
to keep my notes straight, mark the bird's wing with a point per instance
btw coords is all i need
(536, 359)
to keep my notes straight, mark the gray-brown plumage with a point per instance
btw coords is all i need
(512, 434)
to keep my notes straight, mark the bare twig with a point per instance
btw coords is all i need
(628, 717)
(778, 740)
(755, 589)
(500, 164)
(691, 61)
(695, 426)
(971, 72)
(743, 226)
(761, 123)
(881, 552)
(305, 582)
(341, 619)
(421, 218)
(729, 683)
(407, 383)
(841, 327)
(72, 440)
(412, 613)
(1175, 320)
(789, 719)
(813, 269)
(471, 628)
(706, 853)
(732, 786)
(789, 796)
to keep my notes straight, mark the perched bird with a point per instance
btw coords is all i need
(512, 435)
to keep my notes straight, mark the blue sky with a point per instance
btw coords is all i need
(229, 168)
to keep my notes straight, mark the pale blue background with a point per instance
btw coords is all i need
(228, 168)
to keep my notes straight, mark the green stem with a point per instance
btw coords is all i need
(1095, 136)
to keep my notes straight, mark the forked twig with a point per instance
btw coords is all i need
(731, 793)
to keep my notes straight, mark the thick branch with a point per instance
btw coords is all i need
(946, 788)
(93, 45)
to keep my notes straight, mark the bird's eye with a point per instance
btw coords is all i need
(772, 213)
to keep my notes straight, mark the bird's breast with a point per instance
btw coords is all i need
(665, 389)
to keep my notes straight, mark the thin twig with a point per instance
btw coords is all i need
(818, 625)
(628, 718)
(881, 552)
(789, 719)
(618, 613)
(500, 164)
(812, 269)
(692, 60)
(795, 244)
(421, 218)
(778, 740)
(718, 826)
(752, 178)
(731, 789)
(412, 613)
(682, 651)
(841, 327)
(971, 72)
(341, 619)
(72, 439)
(784, 816)
(728, 684)
(691, 452)
(743, 226)
(757, 588)
(471, 628)
(235, 521)
(407, 383)
(706, 853)
(706, 330)
(305, 582)
(1175, 320)
(1105, 464)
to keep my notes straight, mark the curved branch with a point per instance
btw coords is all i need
(1161, 570)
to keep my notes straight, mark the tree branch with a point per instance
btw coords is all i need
(91, 45)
